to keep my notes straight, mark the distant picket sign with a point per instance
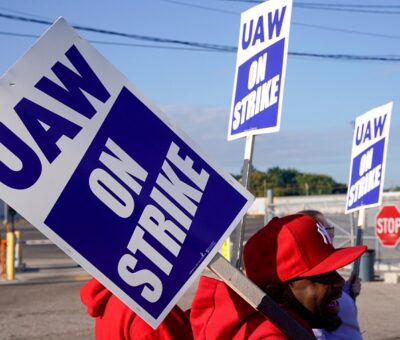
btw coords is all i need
(260, 69)
(368, 158)
(104, 174)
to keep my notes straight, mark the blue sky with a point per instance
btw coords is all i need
(322, 96)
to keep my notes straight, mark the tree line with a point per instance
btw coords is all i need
(291, 182)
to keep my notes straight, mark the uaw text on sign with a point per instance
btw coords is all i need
(260, 69)
(97, 168)
(368, 158)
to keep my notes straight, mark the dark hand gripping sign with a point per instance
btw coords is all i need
(95, 167)
(261, 68)
(367, 168)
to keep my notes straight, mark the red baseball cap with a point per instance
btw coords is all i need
(291, 247)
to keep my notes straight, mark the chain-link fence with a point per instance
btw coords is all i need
(332, 206)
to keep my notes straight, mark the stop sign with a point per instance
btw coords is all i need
(388, 226)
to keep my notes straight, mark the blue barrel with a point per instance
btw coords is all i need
(367, 265)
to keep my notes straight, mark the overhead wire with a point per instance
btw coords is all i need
(333, 29)
(200, 7)
(22, 35)
(347, 57)
(348, 9)
(23, 13)
(121, 34)
(346, 5)
(193, 45)
(355, 8)
(115, 43)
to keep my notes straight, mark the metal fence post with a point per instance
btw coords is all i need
(269, 206)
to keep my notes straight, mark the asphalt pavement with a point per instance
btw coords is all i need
(43, 303)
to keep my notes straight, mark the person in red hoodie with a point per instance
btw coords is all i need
(293, 260)
(116, 321)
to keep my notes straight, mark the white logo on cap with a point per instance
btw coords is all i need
(324, 233)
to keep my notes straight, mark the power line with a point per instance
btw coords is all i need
(125, 35)
(256, 1)
(296, 4)
(250, 1)
(347, 9)
(115, 43)
(355, 8)
(200, 7)
(176, 48)
(325, 4)
(334, 29)
(348, 57)
(22, 35)
(199, 46)
(23, 13)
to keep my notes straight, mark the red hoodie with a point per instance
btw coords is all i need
(219, 313)
(116, 321)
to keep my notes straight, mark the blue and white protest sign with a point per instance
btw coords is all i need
(260, 69)
(107, 177)
(368, 158)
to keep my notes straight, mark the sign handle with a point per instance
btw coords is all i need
(257, 298)
(359, 241)
(362, 221)
(238, 234)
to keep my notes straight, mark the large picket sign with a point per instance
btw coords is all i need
(260, 69)
(368, 158)
(105, 175)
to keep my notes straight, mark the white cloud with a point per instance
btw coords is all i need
(326, 151)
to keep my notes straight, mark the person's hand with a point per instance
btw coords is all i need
(355, 285)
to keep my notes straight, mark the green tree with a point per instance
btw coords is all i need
(310, 184)
(289, 182)
(258, 183)
(283, 182)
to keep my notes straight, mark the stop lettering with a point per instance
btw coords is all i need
(388, 226)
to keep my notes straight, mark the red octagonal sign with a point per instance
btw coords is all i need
(388, 226)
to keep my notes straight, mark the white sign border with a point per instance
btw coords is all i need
(386, 107)
(252, 12)
(61, 25)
